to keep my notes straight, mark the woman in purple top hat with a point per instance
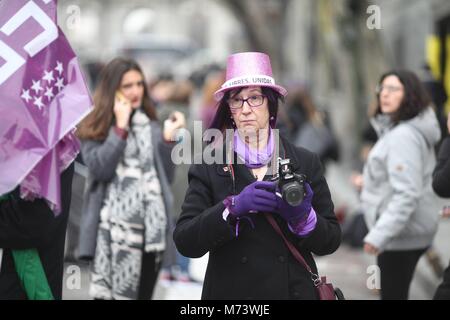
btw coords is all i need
(229, 203)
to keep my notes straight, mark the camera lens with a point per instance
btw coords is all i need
(293, 193)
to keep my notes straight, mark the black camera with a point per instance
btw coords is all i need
(291, 184)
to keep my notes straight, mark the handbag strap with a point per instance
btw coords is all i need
(297, 255)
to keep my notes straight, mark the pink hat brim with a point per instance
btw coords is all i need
(218, 95)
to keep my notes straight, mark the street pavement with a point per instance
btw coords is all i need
(348, 268)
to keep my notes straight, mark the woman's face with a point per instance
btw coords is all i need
(249, 119)
(391, 94)
(132, 87)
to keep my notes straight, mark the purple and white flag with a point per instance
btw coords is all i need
(43, 96)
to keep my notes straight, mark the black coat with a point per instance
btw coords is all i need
(441, 174)
(256, 264)
(31, 224)
(441, 185)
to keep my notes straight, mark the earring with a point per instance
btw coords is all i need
(232, 122)
(272, 121)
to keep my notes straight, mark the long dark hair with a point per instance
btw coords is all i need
(96, 125)
(223, 118)
(415, 99)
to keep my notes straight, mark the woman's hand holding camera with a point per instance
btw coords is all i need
(256, 197)
(291, 214)
(260, 196)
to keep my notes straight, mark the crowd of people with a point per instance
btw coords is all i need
(143, 218)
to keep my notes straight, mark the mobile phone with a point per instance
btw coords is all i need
(120, 96)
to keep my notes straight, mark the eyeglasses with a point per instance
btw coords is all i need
(253, 101)
(390, 89)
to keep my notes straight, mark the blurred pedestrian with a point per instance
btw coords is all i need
(398, 201)
(232, 211)
(128, 201)
(174, 95)
(441, 184)
(208, 103)
(310, 128)
(354, 228)
(438, 96)
(26, 225)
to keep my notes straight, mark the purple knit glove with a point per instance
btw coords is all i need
(304, 227)
(293, 214)
(256, 197)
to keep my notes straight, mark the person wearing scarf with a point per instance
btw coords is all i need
(227, 203)
(126, 211)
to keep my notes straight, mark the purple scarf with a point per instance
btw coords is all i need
(254, 158)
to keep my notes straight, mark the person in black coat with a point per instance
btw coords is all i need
(33, 225)
(441, 185)
(226, 205)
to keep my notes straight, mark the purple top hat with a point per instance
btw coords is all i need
(248, 69)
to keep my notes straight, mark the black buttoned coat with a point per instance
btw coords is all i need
(256, 264)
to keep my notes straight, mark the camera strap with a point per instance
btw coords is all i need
(297, 255)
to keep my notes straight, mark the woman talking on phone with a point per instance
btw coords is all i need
(126, 207)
